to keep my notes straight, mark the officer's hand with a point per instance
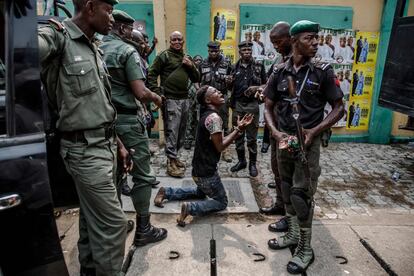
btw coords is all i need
(245, 121)
(126, 158)
(187, 62)
(229, 79)
(279, 136)
(155, 41)
(251, 91)
(309, 135)
(157, 100)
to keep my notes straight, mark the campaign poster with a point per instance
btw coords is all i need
(366, 48)
(358, 114)
(336, 46)
(362, 84)
(223, 29)
(262, 49)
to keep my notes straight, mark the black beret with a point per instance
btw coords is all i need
(304, 26)
(123, 17)
(245, 44)
(214, 45)
(111, 2)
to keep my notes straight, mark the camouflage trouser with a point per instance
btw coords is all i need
(102, 223)
(193, 112)
(292, 172)
(242, 109)
(132, 132)
(175, 124)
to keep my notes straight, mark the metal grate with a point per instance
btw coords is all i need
(232, 188)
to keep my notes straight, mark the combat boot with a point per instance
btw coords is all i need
(291, 238)
(179, 163)
(173, 170)
(303, 256)
(242, 164)
(226, 156)
(145, 233)
(252, 164)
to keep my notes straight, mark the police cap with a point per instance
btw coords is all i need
(303, 26)
(214, 45)
(245, 44)
(123, 17)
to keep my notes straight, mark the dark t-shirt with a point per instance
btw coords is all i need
(206, 156)
(245, 76)
(319, 88)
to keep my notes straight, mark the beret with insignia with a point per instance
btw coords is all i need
(214, 45)
(304, 26)
(123, 17)
(111, 2)
(245, 44)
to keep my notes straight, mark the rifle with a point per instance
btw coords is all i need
(294, 100)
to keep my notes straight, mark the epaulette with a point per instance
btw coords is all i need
(56, 24)
(278, 67)
(322, 65)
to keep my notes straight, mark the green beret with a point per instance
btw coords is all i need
(123, 17)
(304, 26)
(111, 2)
(214, 45)
(245, 44)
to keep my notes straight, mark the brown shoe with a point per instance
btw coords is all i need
(183, 215)
(173, 170)
(179, 163)
(159, 198)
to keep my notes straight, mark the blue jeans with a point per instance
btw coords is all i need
(211, 187)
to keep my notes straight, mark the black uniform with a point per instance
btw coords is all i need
(253, 74)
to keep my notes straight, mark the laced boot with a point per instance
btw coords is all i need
(226, 156)
(173, 170)
(303, 256)
(252, 164)
(145, 233)
(291, 238)
(242, 164)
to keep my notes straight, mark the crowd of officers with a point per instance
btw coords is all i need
(101, 89)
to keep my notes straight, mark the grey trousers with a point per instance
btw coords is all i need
(175, 125)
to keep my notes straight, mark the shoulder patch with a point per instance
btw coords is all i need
(56, 24)
(278, 67)
(322, 65)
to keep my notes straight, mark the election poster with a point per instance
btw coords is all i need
(358, 114)
(336, 46)
(366, 48)
(223, 29)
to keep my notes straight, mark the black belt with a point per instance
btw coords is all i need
(126, 111)
(79, 135)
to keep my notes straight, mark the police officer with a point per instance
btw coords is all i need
(214, 71)
(316, 86)
(175, 70)
(247, 73)
(124, 65)
(192, 110)
(79, 91)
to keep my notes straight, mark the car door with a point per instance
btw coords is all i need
(29, 241)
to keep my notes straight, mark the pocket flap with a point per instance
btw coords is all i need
(79, 68)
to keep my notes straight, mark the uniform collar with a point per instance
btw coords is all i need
(73, 30)
(289, 65)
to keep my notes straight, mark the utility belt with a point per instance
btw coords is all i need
(126, 111)
(79, 135)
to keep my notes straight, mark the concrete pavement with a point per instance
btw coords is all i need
(356, 199)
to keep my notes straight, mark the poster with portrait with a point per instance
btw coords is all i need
(362, 84)
(262, 49)
(358, 114)
(223, 29)
(366, 48)
(336, 46)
